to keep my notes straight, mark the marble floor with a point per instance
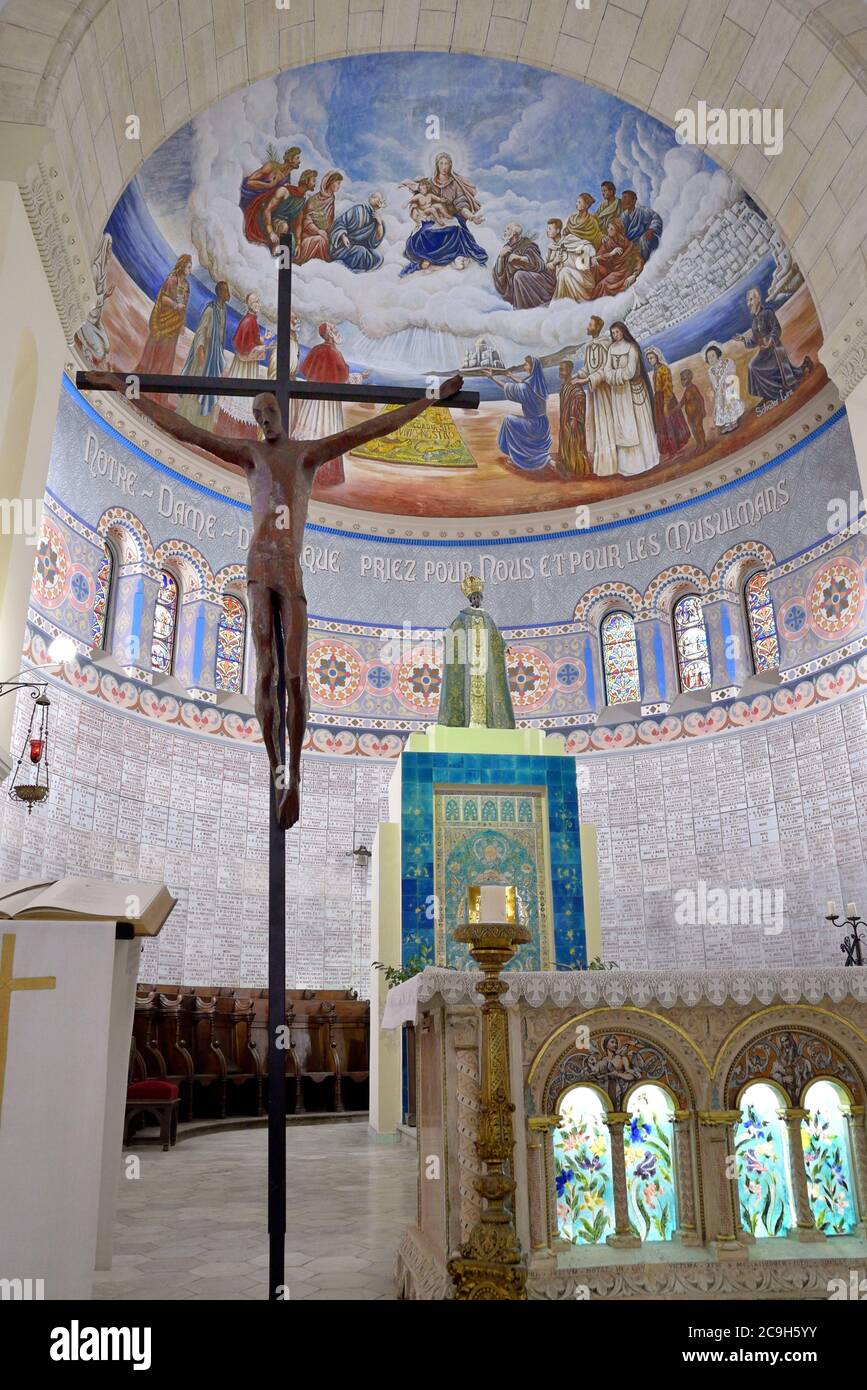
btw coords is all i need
(192, 1226)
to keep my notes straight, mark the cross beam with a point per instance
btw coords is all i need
(285, 390)
(298, 390)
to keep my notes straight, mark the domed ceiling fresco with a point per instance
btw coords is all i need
(625, 310)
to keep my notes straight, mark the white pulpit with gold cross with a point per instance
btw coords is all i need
(67, 998)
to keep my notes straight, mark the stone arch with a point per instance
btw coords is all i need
(129, 536)
(794, 57)
(606, 598)
(734, 567)
(197, 579)
(666, 588)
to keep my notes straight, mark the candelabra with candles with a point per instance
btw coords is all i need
(851, 946)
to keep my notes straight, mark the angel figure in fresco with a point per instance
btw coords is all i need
(432, 244)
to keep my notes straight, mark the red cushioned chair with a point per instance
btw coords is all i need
(158, 1099)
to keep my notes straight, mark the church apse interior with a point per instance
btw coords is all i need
(433, 696)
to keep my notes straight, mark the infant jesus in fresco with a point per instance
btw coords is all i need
(280, 473)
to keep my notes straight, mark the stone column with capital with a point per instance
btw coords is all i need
(623, 1236)
(806, 1224)
(856, 1119)
(539, 1129)
(687, 1229)
(719, 1127)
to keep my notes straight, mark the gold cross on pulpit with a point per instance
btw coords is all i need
(7, 984)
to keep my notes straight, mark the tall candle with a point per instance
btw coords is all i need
(831, 908)
(851, 910)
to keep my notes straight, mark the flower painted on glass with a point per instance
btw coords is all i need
(754, 1165)
(563, 1179)
(592, 1200)
(647, 1167)
(598, 1146)
(650, 1192)
(638, 1130)
(592, 1165)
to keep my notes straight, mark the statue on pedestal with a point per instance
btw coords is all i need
(475, 693)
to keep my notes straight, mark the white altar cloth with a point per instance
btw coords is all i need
(590, 988)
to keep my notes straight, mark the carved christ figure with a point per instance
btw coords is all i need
(280, 473)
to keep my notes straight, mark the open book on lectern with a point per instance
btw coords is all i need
(144, 905)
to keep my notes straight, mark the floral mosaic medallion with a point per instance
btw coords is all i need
(582, 1165)
(419, 681)
(529, 677)
(570, 673)
(378, 679)
(333, 672)
(793, 620)
(835, 598)
(81, 588)
(51, 568)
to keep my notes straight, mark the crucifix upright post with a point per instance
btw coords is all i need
(306, 454)
(277, 870)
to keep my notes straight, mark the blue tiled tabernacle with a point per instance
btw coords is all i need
(423, 774)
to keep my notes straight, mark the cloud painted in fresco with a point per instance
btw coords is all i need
(529, 141)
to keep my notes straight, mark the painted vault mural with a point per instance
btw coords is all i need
(627, 313)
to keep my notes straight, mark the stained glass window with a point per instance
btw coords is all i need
(582, 1164)
(101, 598)
(825, 1142)
(165, 618)
(649, 1144)
(764, 1186)
(231, 637)
(620, 659)
(691, 638)
(763, 626)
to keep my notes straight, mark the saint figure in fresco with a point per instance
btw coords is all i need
(356, 234)
(631, 395)
(475, 692)
(205, 358)
(525, 438)
(672, 431)
(771, 375)
(433, 244)
(258, 188)
(317, 220)
(315, 419)
(166, 321)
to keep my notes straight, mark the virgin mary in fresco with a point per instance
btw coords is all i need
(448, 196)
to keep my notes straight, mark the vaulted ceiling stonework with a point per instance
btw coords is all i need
(79, 71)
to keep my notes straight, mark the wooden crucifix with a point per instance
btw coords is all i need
(280, 473)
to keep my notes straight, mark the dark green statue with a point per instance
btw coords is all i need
(475, 693)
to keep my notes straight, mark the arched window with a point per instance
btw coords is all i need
(620, 659)
(762, 624)
(762, 1156)
(825, 1141)
(649, 1152)
(102, 597)
(165, 621)
(582, 1162)
(231, 640)
(691, 639)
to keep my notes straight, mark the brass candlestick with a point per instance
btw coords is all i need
(490, 1265)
